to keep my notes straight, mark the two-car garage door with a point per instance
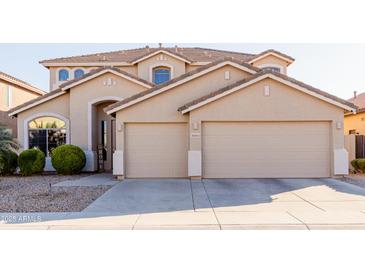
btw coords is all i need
(230, 150)
(266, 149)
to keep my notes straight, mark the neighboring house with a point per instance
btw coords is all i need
(355, 122)
(188, 112)
(14, 92)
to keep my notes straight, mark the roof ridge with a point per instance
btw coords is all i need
(21, 81)
(226, 51)
(92, 54)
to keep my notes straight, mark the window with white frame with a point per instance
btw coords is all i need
(78, 73)
(271, 68)
(161, 75)
(63, 75)
(46, 133)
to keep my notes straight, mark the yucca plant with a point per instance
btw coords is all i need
(7, 141)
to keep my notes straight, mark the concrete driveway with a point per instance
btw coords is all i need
(220, 204)
(241, 203)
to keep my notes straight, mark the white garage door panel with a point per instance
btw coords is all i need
(156, 150)
(266, 149)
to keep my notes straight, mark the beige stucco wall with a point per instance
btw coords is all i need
(283, 104)
(145, 67)
(163, 107)
(59, 105)
(81, 95)
(270, 59)
(53, 73)
(19, 95)
(356, 121)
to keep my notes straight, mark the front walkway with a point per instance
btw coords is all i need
(99, 179)
(212, 204)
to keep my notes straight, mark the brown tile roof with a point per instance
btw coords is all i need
(272, 51)
(252, 77)
(359, 100)
(8, 78)
(92, 72)
(177, 79)
(192, 54)
(152, 51)
(59, 90)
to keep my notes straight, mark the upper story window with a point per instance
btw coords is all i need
(63, 75)
(78, 73)
(274, 69)
(161, 75)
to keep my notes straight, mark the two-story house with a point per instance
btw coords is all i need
(14, 92)
(188, 112)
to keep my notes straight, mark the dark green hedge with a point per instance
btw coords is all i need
(8, 162)
(68, 159)
(358, 164)
(31, 161)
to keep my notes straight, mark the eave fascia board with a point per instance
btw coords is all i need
(273, 54)
(87, 64)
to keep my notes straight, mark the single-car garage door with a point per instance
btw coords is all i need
(156, 150)
(266, 149)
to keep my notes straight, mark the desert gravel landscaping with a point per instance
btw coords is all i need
(38, 194)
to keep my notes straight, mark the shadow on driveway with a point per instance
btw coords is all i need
(136, 197)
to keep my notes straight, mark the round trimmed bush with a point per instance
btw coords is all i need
(68, 159)
(8, 162)
(361, 164)
(354, 165)
(31, 161)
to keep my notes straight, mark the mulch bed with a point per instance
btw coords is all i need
(38, 194)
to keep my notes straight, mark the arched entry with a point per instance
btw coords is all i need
(101, 131)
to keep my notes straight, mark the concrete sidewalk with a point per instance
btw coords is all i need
(99, 179)
(211, 204)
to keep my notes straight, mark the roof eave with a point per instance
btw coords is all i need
(208, 100)
(259, 57)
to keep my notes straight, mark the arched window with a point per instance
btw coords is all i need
(78, 73)
(161, 75)
(46, 133)
(63, 75)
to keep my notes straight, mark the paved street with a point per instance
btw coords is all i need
(212, 204)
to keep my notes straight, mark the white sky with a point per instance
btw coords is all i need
(334, 68)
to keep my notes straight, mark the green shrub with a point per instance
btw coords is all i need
(354, 165)
(31, 161)
(8, 162)
(68, 159)
(361, 165)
